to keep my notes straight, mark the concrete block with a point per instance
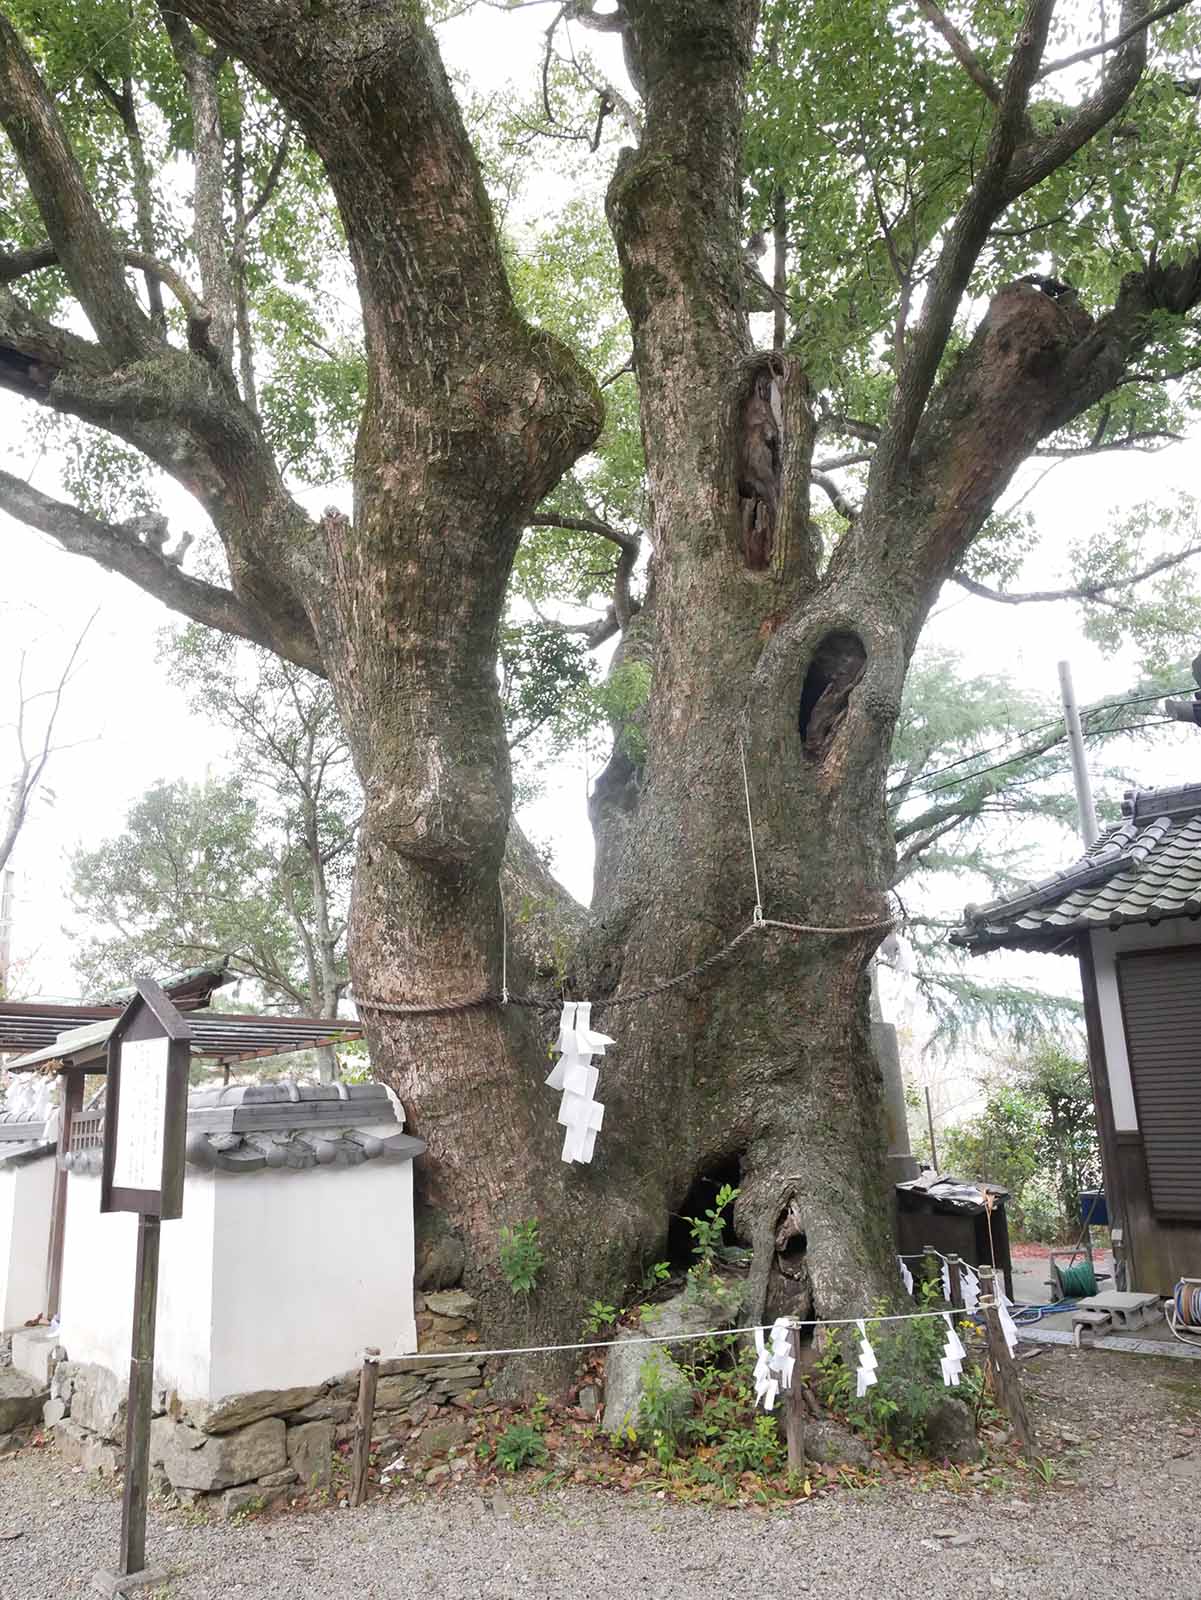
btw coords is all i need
(32, 1351)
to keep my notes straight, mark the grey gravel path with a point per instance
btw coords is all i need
(1129, 1522)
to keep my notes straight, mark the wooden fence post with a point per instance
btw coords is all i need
(955, 1273)
(1008, 1380)
(794, 1415)
(368, 1378)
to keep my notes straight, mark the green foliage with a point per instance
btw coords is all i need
(257, 866)
(655, 1275)
(658, 1409)
(521, 1256)
(909, 1377)
(1037, 1137)
(708, 1230)
(520, 1446)
(600, 1316)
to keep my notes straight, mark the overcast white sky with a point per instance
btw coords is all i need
(128, 728)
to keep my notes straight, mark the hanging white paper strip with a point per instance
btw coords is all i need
(906, 1275)
(953, 1355)
(946, 1280)
(865, 1376)
(580, 1114)
(773, 1369)
(970, 1285)
(1008, 1326)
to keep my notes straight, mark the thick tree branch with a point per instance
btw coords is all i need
(1039, 158)
(119, 549)
(965, 239)
(125, 106)
(90, 257)
(200, 71)
(837, 499)
(21, 263)
(962, 51)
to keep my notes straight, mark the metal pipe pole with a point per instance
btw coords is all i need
(1084, 794)
(930, 1123)
(6, 930)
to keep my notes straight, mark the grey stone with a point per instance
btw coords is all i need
(159, 1484)
(439, 1438)
(9, 1445)
(195, 1460)
(327, 1409)
(451, 1303)
(951, 1432)
(589, 1398)
(439, 1253)
(79, 1447)
(21, 1399)
(310, 1447)
(98, 1401)
(277, 1480)
(62, 1381)
(250, 1497)
(625, 1373)
(240, 1410)
(831, 1445)
(701, 1306)
(114, 1585)
(393, 1393)
(53, 1411)
(436, 1474)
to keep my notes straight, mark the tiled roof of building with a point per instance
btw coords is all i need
(281, 1127)
(1145, 869)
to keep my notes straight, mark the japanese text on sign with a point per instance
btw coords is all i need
(141, 1114)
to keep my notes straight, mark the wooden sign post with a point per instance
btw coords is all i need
(145, 1121)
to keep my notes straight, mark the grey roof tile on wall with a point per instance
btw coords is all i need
(1145, 869)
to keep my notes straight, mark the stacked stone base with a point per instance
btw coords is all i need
(251, 1451)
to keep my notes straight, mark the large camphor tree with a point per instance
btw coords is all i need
(983, 233)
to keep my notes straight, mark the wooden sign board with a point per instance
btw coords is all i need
(146, 1107)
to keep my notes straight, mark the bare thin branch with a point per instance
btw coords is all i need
(1080, 591)
(87, 251)
(1118, 40)
(604, 530)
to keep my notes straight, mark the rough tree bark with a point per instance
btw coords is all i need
(761, 1069)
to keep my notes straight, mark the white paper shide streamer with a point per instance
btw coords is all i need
(580, 1113)
(906, 1275)
(970, 1285)
(773, 1369)
(865, 1375)
(953, 1355)
(1008, 1326)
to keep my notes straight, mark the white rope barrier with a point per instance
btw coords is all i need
(469, 1352)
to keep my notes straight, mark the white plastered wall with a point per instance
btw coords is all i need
(1107, 946)
(269, 1280)
(26, 1192)
(99, 1254)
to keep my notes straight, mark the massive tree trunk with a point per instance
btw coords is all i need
(769, 656)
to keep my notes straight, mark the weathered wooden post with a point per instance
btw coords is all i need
(794, 1414)
(955, 1275)
(1005, 1372)
(368, 1378)
(145, 1120)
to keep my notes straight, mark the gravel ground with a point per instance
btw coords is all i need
(1121, 1514)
